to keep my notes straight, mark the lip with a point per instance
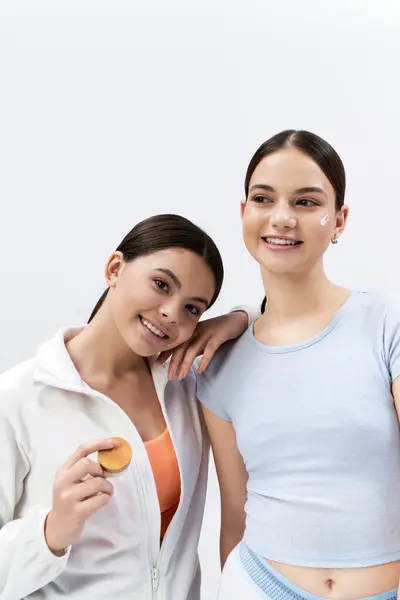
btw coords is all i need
(155, 324)
(281, 237)
(281, 248)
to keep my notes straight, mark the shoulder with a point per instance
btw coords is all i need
(376, 309)
(18, 377)
(385, 311)
(17, 394)
(227, 358)
(381, 320)
(216, 385)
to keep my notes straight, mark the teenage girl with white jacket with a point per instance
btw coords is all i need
(66, 529)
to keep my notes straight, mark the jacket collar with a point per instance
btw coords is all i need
(54, 365)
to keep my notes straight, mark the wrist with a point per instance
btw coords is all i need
(242, 314)
(54, 548)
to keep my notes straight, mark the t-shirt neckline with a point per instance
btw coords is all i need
(311, 341)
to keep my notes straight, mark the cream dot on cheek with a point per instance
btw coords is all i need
(324, 220)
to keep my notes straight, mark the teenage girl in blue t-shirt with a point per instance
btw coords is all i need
(301, 410)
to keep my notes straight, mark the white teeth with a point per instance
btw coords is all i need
(280, 242)
(153, 329)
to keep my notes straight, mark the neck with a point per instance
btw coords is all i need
(100, 350)
(292, 296)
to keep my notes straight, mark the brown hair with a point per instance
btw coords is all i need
(322, 153)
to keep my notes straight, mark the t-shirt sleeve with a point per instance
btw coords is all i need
(253, 312)
(209, 385)
(392, 339)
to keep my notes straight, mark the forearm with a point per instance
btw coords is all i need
(229, 539)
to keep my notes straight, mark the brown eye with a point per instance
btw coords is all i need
(306, 202)
(261, 199)
(193, 309)
(162, 285)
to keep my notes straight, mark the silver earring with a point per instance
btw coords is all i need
(334, 239)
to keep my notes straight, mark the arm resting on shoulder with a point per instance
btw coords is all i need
(208, 336)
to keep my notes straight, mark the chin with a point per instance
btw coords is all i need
(147, 350)
(139, 347)
(280, 271)
(280, 264)
(281, 267)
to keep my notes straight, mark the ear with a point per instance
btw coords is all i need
(114, 268)
(341, 220)
(242, 207)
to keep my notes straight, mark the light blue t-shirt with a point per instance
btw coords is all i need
(318, 431)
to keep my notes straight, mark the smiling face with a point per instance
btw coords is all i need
(290, 215)
(156, 300)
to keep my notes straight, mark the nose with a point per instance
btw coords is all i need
(170, 312)
(283, 218)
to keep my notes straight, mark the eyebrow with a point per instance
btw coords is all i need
(179, 285)
(303, 190)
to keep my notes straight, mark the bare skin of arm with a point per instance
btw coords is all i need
(232, 478)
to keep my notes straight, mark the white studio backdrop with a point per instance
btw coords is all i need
(111, 111)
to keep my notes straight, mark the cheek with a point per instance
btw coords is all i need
(133, 299)
(321, 234)
(185, 332)
(119, 309)
(251, 224)
(251, 230)
(123, 305)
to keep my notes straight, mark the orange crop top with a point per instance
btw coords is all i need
(162, 456)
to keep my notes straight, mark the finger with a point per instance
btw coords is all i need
(92, 486)
(177, 358)
(89, 506)
(82, 468)
(208, 354)
(194, 350)
(89, 448)
(163, 357)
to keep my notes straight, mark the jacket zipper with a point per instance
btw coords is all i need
(154, 579)
(156, 570)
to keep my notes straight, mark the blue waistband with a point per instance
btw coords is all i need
(277, 587)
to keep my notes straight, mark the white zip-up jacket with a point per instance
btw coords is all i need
(46, 412)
